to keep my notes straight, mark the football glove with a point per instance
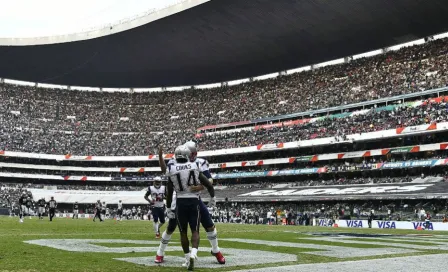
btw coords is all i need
(212, 202)
(170, 214)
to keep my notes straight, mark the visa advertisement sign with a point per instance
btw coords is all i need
(376, 224)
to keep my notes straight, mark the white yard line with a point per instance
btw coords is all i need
(433, 263)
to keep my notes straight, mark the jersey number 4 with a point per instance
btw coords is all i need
(191, 180)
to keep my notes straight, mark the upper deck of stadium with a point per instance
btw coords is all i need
(219, 41)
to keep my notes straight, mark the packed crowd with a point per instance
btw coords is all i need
(318, 182)
(303, 213)
(95, 123)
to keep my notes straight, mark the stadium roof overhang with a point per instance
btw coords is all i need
(223, 40)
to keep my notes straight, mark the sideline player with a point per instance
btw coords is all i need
(22, 206)
(103, 210)
(29, 204)
(41, 203)
(182, 175)
(98, 208)
(157, 192)
(75, 210)
(120, 210)
(52, 208)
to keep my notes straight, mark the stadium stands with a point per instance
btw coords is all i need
(63, 134)
(95, 123)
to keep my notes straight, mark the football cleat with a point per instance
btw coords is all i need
(159, 259)
(191, 265)
(219, 257)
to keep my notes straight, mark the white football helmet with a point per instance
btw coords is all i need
(157, 181)
(194, 150)
(182, 154)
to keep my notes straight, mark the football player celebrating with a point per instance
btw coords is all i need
(206, 221)
(182, 175)
(157, 193)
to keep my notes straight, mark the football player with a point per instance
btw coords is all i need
(52, 208)
(139, 213)
(29, 204)
(207, 223)
(134, 212)
(206, 220)
(120, 210)
(75, 210)
(103, 210)
(157, 192)
(98, 207)
(41, 204)
(22, 206)
(182, 175)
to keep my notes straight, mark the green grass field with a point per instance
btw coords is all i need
(61, 245)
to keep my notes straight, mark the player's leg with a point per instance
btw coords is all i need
(194, 219)
(21, 211)
(166, 237)
(212, 234)
(156, 222)
(182, 223)
(161, 219)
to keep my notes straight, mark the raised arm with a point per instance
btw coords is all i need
(162, 163)
(169, 195)
(148, 193)
(207, 184)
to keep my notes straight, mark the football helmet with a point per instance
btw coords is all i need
(182, 154)
(193, 149)
(157, 182)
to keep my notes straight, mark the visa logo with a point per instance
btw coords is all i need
(386, 225)
(423, 225)
(323, 223)
(354, 223)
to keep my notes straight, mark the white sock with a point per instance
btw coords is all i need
(194, 253)
(212, 236)
(163, 243)
(156, 227)
(187, 256)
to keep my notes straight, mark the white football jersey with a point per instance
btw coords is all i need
(203, 164)
(120, 205)
(183, 176)
(173, 203)
(157, 194)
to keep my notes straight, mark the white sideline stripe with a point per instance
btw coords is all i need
(433, 263)
(327, 250)
(346, 240)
